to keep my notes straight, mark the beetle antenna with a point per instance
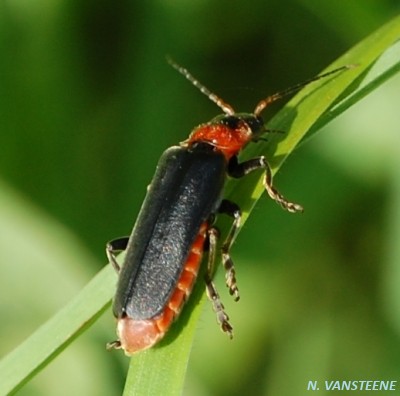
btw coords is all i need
(272, 98)
(226, 108)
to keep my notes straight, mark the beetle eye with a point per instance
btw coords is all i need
(256, 124)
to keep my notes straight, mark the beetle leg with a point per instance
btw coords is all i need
(113, 247)
(233, 210)
(238, 170)
(113, 345)
(212, 293)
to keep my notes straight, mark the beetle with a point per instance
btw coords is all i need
(175, 224)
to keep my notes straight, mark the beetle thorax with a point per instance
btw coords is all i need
(227, 139)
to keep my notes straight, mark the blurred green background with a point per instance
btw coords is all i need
(87, 105)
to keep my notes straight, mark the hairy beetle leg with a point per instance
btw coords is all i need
(274, 193)
(113, 247)
(231, 209)
(212, 293)
(113, 345)
(238, 170)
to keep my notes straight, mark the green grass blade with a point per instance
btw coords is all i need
(162, 369)
(55, 335)
(385, 67)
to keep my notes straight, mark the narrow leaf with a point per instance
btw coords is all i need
(162, 369)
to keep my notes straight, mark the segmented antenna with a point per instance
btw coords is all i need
(272, 98)
(228, 109)
(225, 107)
